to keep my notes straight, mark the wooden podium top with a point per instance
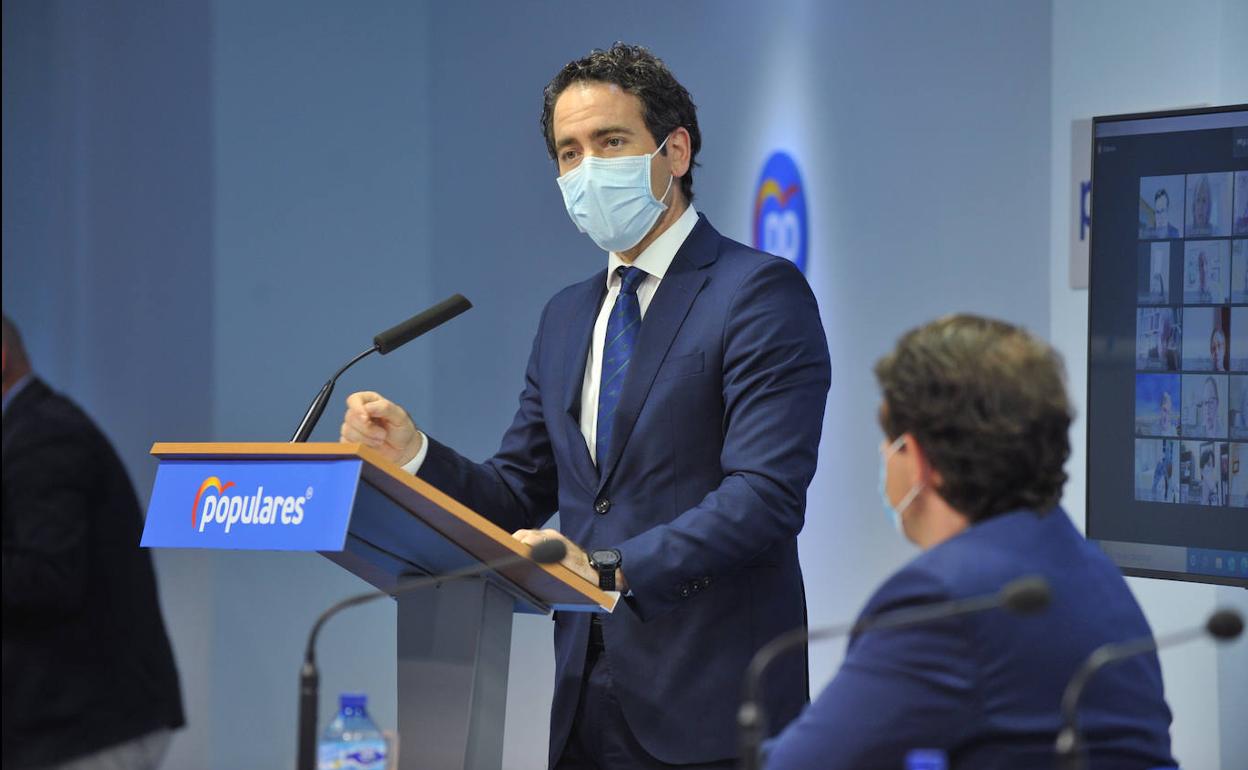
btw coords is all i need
(552, 584)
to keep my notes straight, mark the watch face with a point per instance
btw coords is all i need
(608, 558)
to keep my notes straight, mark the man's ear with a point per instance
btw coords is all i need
(679, 151)
(928, 475)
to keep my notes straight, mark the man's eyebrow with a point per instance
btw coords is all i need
(608, 130)
(597, 134)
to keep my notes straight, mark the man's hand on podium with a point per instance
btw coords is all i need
(379, 423)
(576, 559)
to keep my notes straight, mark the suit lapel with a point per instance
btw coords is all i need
(663, 320)
(579, 335)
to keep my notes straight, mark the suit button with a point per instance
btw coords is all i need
(602, 505)
(706, 582)
(684, 591)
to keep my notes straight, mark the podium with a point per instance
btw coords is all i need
(384, 525)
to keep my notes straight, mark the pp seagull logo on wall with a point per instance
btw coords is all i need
(780, 225)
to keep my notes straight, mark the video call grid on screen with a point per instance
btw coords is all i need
(1168, 326)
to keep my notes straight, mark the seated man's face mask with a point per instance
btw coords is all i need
(894, 513)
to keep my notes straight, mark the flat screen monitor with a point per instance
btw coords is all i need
(1167, 409)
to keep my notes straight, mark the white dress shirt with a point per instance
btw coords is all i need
(655, 261)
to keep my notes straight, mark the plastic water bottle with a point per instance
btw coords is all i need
(352, 740)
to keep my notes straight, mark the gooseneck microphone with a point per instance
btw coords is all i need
(1222, 625)
(389, 340)
(544, 552)
(1023, 595)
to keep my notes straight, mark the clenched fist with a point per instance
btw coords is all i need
(379, 423)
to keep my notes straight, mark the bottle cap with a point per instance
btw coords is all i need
(926, 759)
(352, 700)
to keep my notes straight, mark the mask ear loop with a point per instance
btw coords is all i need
(909, 498)
(662, 198)
(915, 490)
(670, 178)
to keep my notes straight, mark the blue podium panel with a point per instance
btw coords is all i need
(261, 504)
(380, 522)
(352, 506)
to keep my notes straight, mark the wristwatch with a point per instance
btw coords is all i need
(606, 561)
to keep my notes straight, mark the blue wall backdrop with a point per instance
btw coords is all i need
(210, 204)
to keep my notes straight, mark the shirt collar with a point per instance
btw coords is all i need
(17, 388)
(658, 256)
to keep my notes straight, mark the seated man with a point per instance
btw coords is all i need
(975, 416)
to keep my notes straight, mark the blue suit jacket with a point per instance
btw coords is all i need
(987, 687)
(704, 492)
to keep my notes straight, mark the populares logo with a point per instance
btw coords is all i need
(213, 506)
(780, 211)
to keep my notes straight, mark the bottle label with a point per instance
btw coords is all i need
(357, 755)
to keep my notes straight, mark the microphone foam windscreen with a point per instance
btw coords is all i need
(398, 336)
(549, 551)
(1026, 594)
(1225, 624)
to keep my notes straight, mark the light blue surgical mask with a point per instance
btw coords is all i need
(894, 513)
(610, 199)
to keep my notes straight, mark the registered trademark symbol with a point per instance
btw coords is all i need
(309, 493)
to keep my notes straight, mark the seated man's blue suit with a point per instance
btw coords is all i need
(703, 492)
(986, 687)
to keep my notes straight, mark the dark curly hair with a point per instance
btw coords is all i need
(988, 404)
(666, 104)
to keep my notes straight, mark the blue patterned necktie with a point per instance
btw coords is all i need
(622, 328)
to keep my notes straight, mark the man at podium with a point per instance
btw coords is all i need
(671, 413)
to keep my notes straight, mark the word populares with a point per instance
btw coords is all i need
(256, 509)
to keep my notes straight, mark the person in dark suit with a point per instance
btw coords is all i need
(671, 414)
(975, 417)
(1161, 218)
(88, 674)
